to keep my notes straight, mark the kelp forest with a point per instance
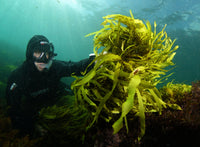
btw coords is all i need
(119, 103)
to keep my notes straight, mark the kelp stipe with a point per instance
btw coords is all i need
(124, 80)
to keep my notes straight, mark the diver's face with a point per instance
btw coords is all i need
(40, 65)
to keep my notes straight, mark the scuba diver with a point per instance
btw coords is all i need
(36, 83)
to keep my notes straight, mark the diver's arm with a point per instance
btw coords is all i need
(67, 68)
(13, 97)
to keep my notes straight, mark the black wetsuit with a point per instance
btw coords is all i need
(29, 90)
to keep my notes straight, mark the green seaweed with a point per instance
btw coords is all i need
(65, 124)
(174, 93)
(123, 81)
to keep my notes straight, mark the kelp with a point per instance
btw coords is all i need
(174, 92)
(176, 127)
(66, 125)
(123, 81)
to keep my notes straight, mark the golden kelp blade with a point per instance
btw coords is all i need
(128, 104)
(124, 80)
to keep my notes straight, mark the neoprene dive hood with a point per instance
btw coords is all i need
(39, 43)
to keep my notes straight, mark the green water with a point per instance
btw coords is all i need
(66, 22)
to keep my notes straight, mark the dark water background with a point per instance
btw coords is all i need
(66, 22)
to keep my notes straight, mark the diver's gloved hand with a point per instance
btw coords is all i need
(92, 55)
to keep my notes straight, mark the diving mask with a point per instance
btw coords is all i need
(43, 53)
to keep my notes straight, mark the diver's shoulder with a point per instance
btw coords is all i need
(19, 70)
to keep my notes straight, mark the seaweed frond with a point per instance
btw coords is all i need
(124, 80)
